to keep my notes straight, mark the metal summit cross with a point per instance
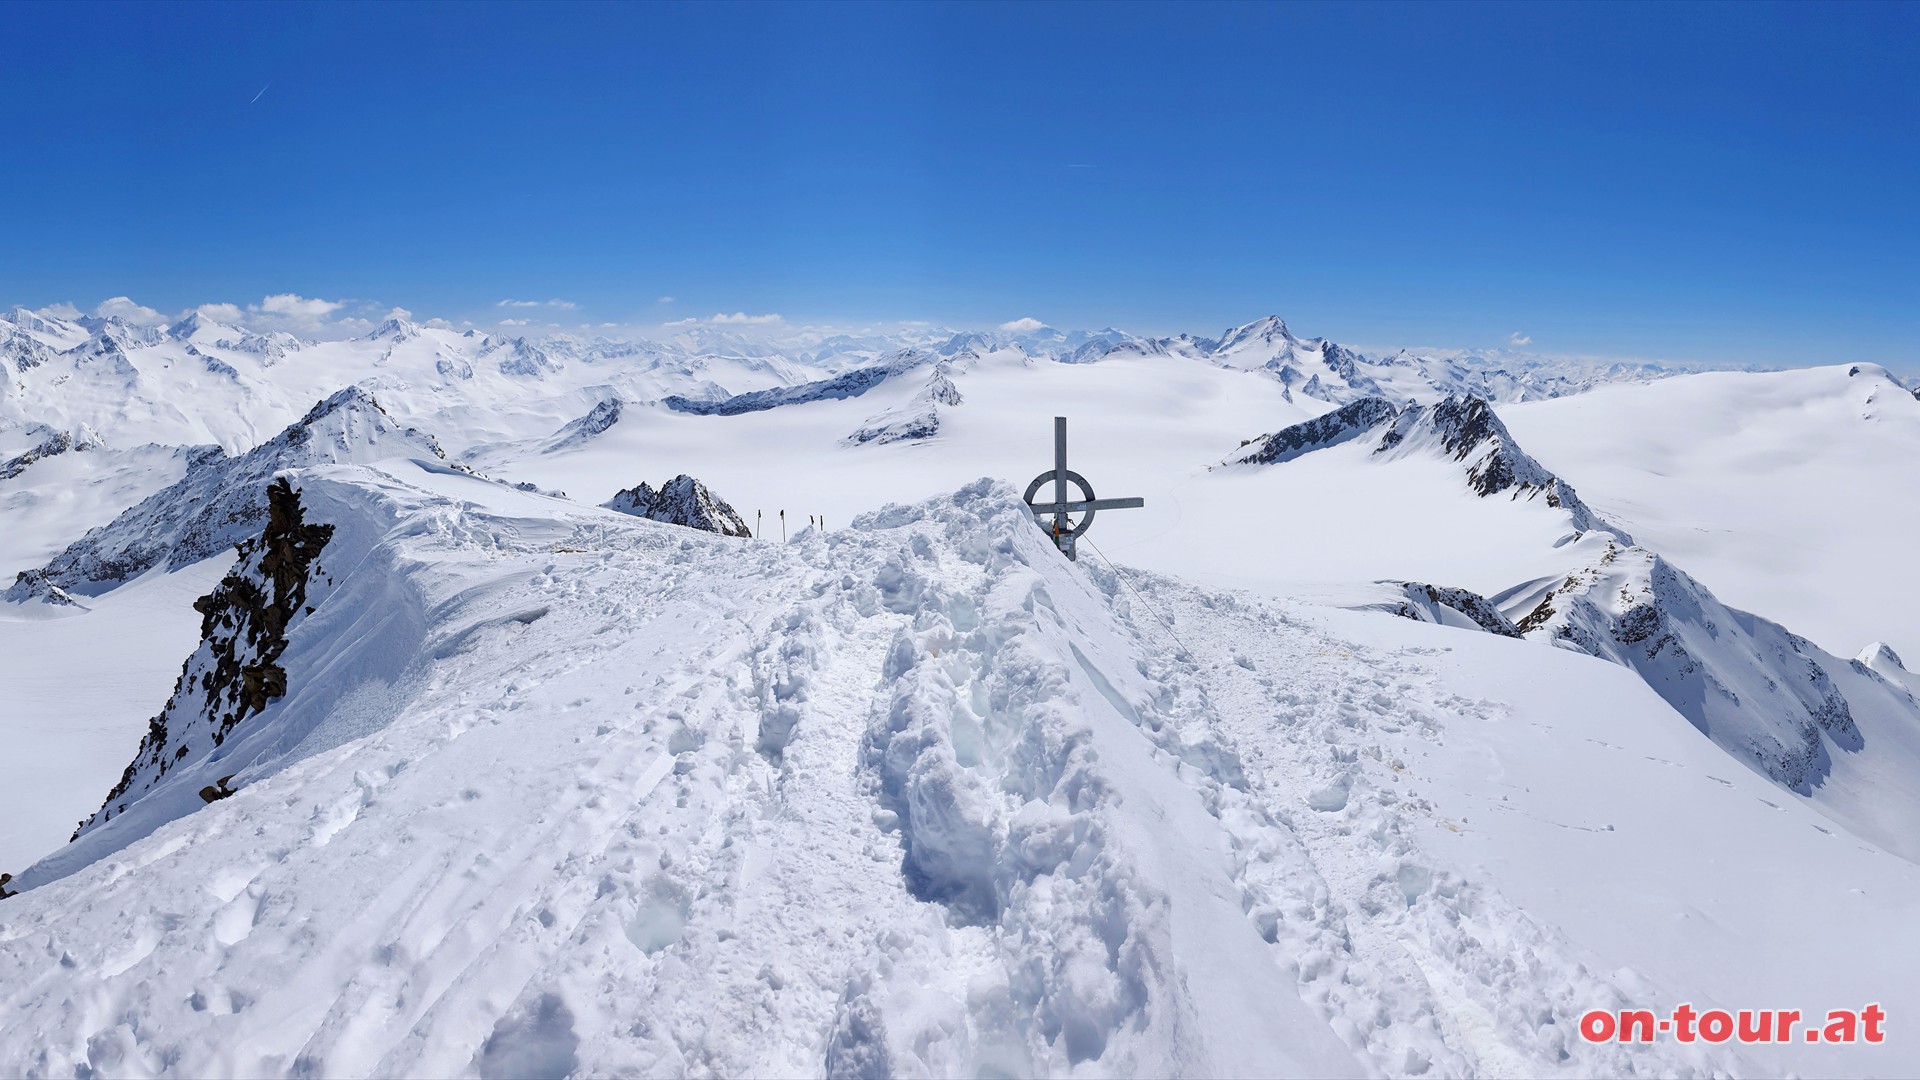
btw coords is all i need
(1062, 528)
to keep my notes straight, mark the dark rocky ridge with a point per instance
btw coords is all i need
(1349, 421)
(53, 445)
(1484, 614)
(596, 422)
(235, 672)
(681, 501)
(1463, 429)
(845, 385)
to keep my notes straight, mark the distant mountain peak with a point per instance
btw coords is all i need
(1270, 329)
(681, 501)
(395, 328)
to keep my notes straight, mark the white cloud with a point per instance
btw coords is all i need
(738, 318)
(120, 307)
(295, 306)
(60, 311)
(1021, 326)
(438, 324)
(663, 300)
(226, 313)
(1518, 338)
(516, 322)
(563, 305)
(518, 303)
(398, 313)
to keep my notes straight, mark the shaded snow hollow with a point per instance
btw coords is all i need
(554, 789)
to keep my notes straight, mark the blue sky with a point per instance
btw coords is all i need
(1716, 182)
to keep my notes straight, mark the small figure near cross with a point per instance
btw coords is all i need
(1052, 516)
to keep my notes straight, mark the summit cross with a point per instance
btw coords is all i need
(1053, 516)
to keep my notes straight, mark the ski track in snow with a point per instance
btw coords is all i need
(917, 798)
(1416, 967)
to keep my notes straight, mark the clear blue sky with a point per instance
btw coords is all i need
(1725, 181)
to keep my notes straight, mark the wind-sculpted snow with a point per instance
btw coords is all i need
(221, 500)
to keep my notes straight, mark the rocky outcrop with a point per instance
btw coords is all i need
(235, 672)
(1347, 422)
(681, 501)
(918, 418)
(522, 358)
(53, 445)
(1425, 603)
(591, 426)
(846, 385)
(1462, 429)
(1759, 691)
(21, 351)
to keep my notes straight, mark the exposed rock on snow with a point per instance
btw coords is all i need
(1460, 429)
(1467, 431)
(917, 418)
(22, 351)
(55, 444)
(1350, 421)
(578, 432)
(1451, 607)
(32, 585)
(271, 347)
(850, 384)
(522, 358)
(681, 501)
(220, 501)
(1757, 690)
(236, 671)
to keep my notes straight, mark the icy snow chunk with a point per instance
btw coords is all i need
(659, 920)
(534, 1041)
(1330, 799)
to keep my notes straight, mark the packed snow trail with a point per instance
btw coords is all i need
(558, 791)
(647, 805)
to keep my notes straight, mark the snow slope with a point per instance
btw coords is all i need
(1793, 493)
(79, 690)
(626, 798)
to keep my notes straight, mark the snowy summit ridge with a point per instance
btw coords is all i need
(1376, 749)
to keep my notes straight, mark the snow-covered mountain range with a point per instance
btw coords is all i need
(1430, 701)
